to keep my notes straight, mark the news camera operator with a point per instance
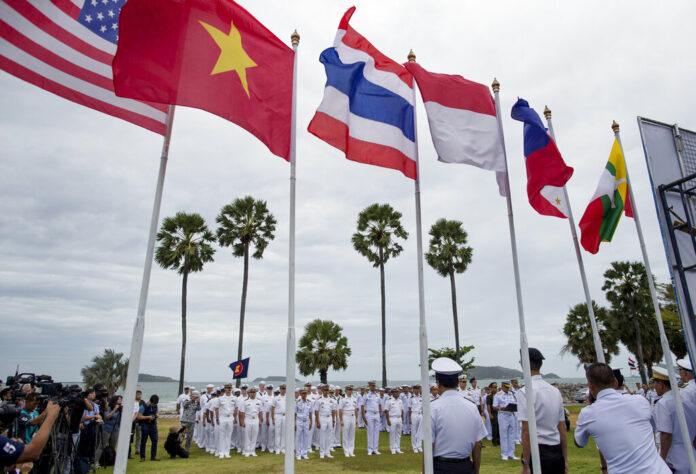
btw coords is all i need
(14, 452)
(89, 428)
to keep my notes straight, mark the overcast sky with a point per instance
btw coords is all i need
(76, 192)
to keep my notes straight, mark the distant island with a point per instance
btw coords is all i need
(497, 372)
(275, 378)
(154, 378)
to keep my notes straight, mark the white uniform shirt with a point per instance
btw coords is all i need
(252, 407)
(621, 429)
(226, 405)
(456, 426)
(416, 404)
(475, 395)
(348, 405)
(666, 422)
(279, 405)
(372, 402)
(548, 406)
(395, 407)
(502, 399)
(324, 406)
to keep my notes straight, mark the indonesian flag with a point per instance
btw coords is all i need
(462, 120)
(547, 173)
(608, 203)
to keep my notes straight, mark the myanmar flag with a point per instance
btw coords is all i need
(606, 206)
(211, 55)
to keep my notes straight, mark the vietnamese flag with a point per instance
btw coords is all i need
(211, 55)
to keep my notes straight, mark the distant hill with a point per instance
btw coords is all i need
(497, 372)
(154, 378)
(275, 378)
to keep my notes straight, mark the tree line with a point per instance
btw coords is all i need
(629, 320)
(186, 244)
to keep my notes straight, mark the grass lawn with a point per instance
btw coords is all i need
(580, 460)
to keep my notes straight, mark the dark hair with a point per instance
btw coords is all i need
(446, 381)
(88, 391)
(114, 399)
(139, 391)
(600, 375)
(154, 399)
(4, 392)
(31, 397)
(492, 383)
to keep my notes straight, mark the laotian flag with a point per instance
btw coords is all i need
(547, 173)
(367, 110)
(240, 368)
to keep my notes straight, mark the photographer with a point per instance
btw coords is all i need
(13, 452)
(91, 419)
(147, 416)
(112, 422)
(29, 419)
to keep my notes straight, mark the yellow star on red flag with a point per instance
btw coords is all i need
(232, 55)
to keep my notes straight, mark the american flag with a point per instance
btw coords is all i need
(66, 47)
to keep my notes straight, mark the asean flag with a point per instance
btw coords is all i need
(547, 173)
(211, 55)
(240, 368)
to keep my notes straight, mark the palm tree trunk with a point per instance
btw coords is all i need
(639, 343)
(243, 308)
(322, 375)
(384, 320)
(454, 313)
(183, 332)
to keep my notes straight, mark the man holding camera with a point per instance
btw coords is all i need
(13, 452)
(147, 415)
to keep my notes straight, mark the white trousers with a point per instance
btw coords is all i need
(302, 437)
(225, 435)
(373, 425)
(279, 432)
(210, 437)
(251, 434)
(325, 435)
(348, 434)
(518, 429)
(507, 425)
(395, 433)
(270, 435)
(416, 420)
(261, 438)
(337, 433)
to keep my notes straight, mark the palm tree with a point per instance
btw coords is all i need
(379, 225)
(108, 369)
(184, 245)
(448, 254)
(244, 223)
(322, 347)
(626, 284)
(578, 330)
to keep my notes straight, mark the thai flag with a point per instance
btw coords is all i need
(631, 364)
(368, 106)
(547, 173)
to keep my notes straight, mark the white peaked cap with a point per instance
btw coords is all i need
(446, 366)
(685, 364)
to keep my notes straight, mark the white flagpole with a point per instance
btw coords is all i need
(139, 328)
(531, 415)
(658, 314)
(422, 331)
(290, 350)
(599, 350)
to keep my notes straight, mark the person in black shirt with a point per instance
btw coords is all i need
(493, 389)
(147, 416)
(173, 443)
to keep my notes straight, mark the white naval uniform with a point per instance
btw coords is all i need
(395, 407)
(180, 403)
(487, 422)
(622, 431)
(405, 397)
(253, 415)
(270, 427)
(416, 405)
(337, 426)
(666, 422)
(199, 432)
(263, 429)
(455, 436)
(313, 431)
(372, 404)
(506, 423)
(323, 410)
(238, 432)
(278, 405)
(303, 417)
(518, 423)
(348, 406)
(226, 405)
(361, 422)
